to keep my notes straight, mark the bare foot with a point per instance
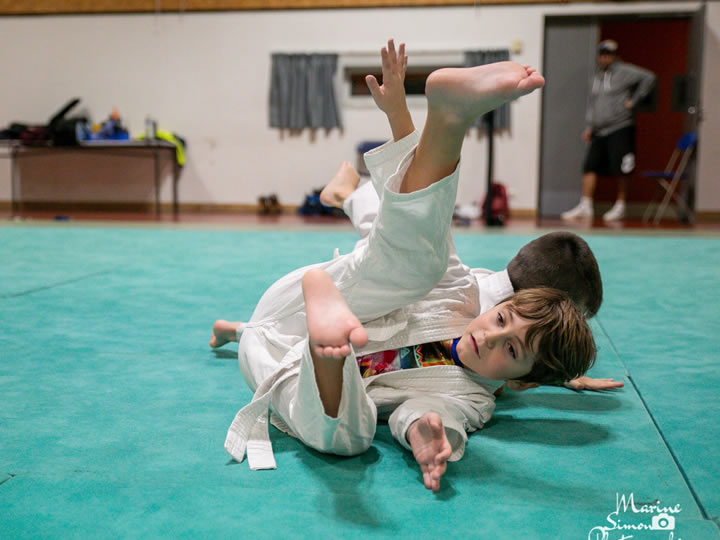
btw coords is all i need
(224, 332)
(467, 93)
(332, 327)
(431, 448)
(344, 182)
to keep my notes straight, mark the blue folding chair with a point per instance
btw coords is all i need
(671, 177)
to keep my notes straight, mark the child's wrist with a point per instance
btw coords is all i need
(398, 113)
(411, 431)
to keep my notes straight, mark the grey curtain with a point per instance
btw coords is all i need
(479, 58)
(302, 93)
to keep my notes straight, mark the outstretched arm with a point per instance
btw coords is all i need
(588, 383)
(430, 447)
(580, 383)
(390, 96)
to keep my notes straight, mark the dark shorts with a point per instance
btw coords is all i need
(612, 154)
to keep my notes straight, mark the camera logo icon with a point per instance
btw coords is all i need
(662, 522)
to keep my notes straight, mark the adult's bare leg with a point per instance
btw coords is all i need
(623, 182)
(589, 181)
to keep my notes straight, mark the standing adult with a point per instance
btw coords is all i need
(617, 87)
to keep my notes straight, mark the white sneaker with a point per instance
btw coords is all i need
(582, 210)
(617, 212)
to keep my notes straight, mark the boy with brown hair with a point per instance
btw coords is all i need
(315, 330)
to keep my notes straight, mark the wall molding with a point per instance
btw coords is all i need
(166, 207)
(64, 7)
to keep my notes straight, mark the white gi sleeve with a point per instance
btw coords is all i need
(361, 206)
(459, 414)
(383, 161)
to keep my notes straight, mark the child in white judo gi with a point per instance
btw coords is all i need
(313, 334)
(561, 260)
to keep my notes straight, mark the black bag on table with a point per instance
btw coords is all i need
(63, 131)
(60, 131)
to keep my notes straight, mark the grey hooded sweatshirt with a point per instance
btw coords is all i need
(606, 111)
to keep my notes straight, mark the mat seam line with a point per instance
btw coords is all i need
(10, 477)
(681, 469)
(56, 284)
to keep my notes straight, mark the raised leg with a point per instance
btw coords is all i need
(456, 97)
(332, 329)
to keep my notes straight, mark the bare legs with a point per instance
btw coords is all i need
(224, 332)
(344, 182)
(456, 97)
(589, 181)
(585, 208)
(332, 328)
(623, 182)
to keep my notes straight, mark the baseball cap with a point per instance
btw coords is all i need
(607, 46)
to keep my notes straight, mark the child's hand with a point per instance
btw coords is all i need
(588, 383)
(390, 97)
(431, 448)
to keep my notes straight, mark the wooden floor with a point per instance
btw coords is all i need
(293, 221)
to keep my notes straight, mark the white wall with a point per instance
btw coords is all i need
(206, 77)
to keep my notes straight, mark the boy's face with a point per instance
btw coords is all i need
(493, 345)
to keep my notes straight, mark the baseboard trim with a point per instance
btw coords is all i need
(707, 216)
(140, 207)
(524, 213)
(208, 208)
(633, 210)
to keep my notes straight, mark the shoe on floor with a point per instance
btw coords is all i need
(617, 212)
(582, 210)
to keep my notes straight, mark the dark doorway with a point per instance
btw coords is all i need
(660, 43)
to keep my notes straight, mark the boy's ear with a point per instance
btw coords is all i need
(519, 386)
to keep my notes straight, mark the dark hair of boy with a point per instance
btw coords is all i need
(561, 260)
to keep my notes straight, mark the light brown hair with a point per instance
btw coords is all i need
(558, 332)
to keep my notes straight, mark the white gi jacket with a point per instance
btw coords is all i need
(407, 286)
